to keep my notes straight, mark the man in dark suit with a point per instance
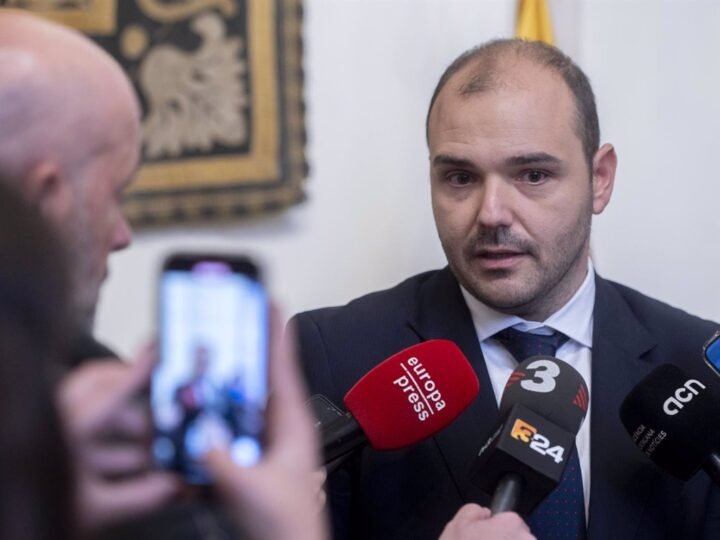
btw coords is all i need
(517, 171)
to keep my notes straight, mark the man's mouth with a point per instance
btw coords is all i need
(499, 253)
(499, 258)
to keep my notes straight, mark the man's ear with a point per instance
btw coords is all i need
(603, 176)
(46, 188)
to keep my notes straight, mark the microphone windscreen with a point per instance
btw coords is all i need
(673, 419)
(551, 388)
(413, 394)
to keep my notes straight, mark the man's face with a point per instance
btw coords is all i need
(98, 225)
(511, 191)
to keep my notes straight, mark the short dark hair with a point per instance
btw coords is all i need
(486, 59)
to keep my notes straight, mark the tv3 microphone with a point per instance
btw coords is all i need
(673, 419)
(407, 398)
(542, 408)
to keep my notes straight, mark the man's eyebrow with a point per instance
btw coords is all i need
(447, 159)
(537, 158)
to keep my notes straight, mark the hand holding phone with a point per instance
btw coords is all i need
(106, 425)
(283, 496)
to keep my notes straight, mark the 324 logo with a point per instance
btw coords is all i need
(522, 431)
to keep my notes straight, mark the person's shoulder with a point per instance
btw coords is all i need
(385, 305)
(656, 314)
(677, 336)
(338, 345)
(84, 347)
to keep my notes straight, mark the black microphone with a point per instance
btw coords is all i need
(673, 419)
(542, 408)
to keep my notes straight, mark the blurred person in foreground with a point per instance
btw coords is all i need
(272, 501)
(36, 485)
(277, 499)
(70, 144)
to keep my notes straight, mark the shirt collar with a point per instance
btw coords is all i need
(574, 319)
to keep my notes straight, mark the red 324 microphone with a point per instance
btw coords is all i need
(544, 403)
(407, 398)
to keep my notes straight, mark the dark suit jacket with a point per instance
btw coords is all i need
(413, 493)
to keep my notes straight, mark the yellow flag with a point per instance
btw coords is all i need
(533, 21)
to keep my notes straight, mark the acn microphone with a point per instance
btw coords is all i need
(673, 419)
(542, 408)
(407, 398)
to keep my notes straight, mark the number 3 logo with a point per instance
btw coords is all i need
(546, 371)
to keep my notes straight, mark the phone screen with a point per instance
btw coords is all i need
(712, 352)
(210, 386)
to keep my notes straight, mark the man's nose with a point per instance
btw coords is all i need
(495, 203)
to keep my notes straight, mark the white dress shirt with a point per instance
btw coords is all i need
(574, 319)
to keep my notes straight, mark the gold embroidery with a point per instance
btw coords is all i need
(222, 136)
(97, 17)
(184, 9)
(134, 41)
(197, 99)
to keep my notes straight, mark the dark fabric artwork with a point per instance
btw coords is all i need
(220, 83)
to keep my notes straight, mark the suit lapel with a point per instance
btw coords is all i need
(622, 479)
(443, 314)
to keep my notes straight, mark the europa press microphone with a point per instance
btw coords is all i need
(673, 419)
(542, 408)
(407, 398)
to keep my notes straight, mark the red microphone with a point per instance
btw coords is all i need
(407, 398)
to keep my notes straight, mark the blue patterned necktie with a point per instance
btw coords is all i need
(561, 516)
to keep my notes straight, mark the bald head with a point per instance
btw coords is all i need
(69, 140)
(54, 83)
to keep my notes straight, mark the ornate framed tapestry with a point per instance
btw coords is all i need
(221, 87)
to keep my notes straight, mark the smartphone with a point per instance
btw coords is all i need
(711, 352)
(210, 387)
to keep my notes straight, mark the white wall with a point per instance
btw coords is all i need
(655, 69)
(371, 66)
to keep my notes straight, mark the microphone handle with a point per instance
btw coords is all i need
(712, 467)
(341, 437)
(507, 493)
(336, 463)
